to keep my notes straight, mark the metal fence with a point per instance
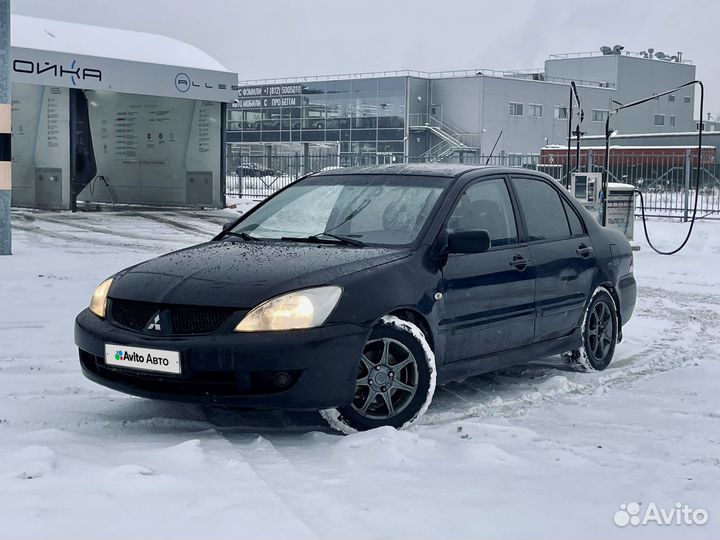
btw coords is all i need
(668, 184)
(666, 180)
(259, 176)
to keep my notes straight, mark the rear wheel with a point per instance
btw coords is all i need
(395, 380)
(599, 334)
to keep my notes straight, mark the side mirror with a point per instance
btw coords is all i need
(229, 224)
(477, 241)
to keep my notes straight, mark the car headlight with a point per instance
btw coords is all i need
(307, 308)
(98, 303)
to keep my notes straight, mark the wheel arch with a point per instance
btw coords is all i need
(610, 288)
(418, 319)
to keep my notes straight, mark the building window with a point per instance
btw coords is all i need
(672, 120)
(561, 113)
(534, 110)
(516, 109)
(659, 120)
(671, 97)
(687, 99)
(599, 115)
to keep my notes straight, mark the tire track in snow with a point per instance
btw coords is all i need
(104, 242)
(216, 219)
(184, 227)
(281, 475)
(111, 236)
(108, 230)
(510, 393)
(262, 471)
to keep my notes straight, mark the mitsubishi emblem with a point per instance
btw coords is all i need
(154, 323)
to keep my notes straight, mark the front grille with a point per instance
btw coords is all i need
(134, 315)
(183, 320)
(198, 320)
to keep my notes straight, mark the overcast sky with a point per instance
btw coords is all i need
(285, 38)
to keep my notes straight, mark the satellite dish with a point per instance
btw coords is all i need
(617, 49)
(660, 55)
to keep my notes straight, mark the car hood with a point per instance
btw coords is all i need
(242, 274)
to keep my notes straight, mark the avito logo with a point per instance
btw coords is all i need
(680, 514)
(141, 359)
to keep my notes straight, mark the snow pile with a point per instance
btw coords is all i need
(533, 451)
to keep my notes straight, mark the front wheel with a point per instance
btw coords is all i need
(395, 380)
(599, 334)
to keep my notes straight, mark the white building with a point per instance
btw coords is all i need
(109, 115)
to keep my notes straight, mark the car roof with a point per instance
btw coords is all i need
(448, 170)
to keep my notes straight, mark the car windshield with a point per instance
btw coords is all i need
(388, 210)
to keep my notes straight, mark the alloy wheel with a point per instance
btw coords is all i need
(600, 331)
(387, 379)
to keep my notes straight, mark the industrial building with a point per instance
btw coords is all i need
(107, 115)
(415, 116)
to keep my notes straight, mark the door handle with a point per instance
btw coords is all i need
(584, 251)
(519, 262)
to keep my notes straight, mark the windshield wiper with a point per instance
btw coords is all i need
(243, 235)
(318, 238)
(339, 238)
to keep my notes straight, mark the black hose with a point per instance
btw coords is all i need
(698, 170)
(687, 237)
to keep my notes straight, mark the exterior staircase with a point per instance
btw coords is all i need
(450, 138)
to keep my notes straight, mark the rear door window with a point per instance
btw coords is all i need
(576, 228)
(542, 207)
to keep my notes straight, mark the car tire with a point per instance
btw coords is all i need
(599, 334)
(388, 395)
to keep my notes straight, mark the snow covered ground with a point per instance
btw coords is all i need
(530, 452)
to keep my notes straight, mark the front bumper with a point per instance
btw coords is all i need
(233, 369)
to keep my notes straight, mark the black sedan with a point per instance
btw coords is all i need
(352, 292)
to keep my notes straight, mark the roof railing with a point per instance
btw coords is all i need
(564, 56)
(526, 74)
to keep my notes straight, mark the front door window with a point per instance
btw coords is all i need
(486, 205)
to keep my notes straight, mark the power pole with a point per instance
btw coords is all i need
(5, 131)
